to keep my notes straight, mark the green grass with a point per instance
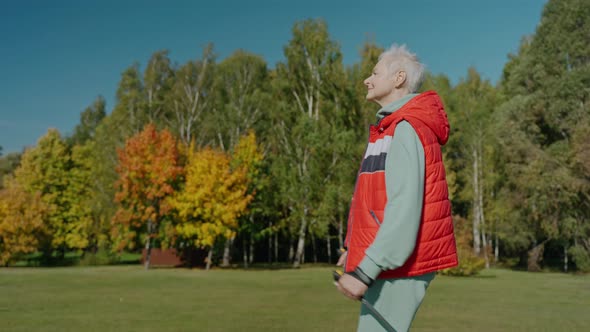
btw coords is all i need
(127, 298)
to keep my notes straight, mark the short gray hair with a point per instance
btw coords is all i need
(400, 58)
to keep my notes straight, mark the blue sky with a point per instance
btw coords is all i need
(57, 56)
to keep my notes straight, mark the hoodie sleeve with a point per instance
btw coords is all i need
(404, 178)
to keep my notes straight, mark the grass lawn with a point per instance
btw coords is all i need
(127, 298)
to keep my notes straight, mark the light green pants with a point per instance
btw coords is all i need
(397, 300)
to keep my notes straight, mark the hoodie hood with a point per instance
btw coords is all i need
(427, 108)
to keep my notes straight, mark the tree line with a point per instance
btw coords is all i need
(240, 159)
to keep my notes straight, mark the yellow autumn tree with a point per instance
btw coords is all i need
(213, 199)
(22, 228)
(247, 154)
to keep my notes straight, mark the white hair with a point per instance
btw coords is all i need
(400, 58)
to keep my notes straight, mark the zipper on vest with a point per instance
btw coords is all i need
(375, 217)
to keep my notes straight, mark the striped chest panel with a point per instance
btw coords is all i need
(374, 159)
(376, 153)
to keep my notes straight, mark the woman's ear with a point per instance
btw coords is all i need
(400, 78)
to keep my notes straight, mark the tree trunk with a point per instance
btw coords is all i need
(245, 253)
(251, 251)
(535, 256)
(329, 248)
(565, 258)
(270, 246)
(340, 233)
(313, 248)
(291, 251)
(209, 258)
(227, 253)
(300, 243)
(476, 235)
(496, 250)
(276, 236)
(481, 209)
(148, 246)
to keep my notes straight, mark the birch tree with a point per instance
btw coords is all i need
(474, 102)
(308, 84)
(158, 78)
(241, 105)
(191, 97)
(90, 118)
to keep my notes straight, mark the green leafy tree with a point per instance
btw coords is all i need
(310, 86)
(158, 79)
(49, 169)
(89, 120)
(248, 155)
(241, 85)
(241, 99)
(191, 94)
(546, 109)
(473, 140)
(8, 163)
(129, 112)
(362, 113)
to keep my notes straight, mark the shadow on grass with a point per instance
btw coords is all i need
(77, 259)
(273, 266)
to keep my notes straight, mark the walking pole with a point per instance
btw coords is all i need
(374, 312)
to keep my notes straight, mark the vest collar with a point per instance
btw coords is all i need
(394, 106)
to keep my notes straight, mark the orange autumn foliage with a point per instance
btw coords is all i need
(148, 173)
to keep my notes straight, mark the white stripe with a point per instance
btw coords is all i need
(382, 170)
(379, 146)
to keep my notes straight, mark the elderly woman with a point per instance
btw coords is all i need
(400, 229)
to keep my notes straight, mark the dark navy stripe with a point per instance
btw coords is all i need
(374, 163)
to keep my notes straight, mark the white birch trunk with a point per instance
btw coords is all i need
(291, 251)
(481, 209)
(313, 248)
(301, 242)
(270, 246)
(148, 246)
(209, 258)
(276, 237)
(565, 261)
(496, 249)
(476, 234)
(251, 251)
(329, 248)
(227, 253)
(245, 253)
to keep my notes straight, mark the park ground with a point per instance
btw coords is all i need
(128, 298)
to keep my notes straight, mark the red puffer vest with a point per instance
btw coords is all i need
(435, 244)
